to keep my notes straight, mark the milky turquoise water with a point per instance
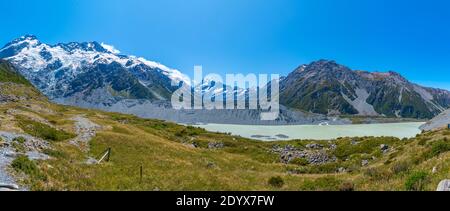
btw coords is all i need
(269, 133)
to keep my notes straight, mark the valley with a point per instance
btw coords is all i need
(58, 117)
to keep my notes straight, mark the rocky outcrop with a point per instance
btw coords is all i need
(313, 155)
(440, 121)
(444, 185)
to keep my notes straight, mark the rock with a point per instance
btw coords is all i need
(215, 145)
(210, 165)
(91, 161)
(9, 186)
(364, 162)
(444, 185)
(289, 153)
(320, 157)
(314, 146)
(333, 146)
(434, 171)
(282, 136)
(342, 170)
(11, 154)
(354, 142)
(384, 148)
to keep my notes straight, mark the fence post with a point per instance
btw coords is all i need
(140, 174)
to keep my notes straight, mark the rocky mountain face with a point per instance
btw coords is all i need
(438, 122)
(68, 69)
(329, 88)
(96, 75)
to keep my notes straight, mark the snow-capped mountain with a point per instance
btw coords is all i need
(330, 88)
(58, 69)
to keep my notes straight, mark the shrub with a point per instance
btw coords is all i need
(323, 184)
(326, 168)
(277, 182)
(347, 186)
(400, 167)
(299, 161)
(377, 174)
(439, 148)
(18, 147)
(54, 153)
(20, 140)
(416, 181)
(27, 166)
(43, 131)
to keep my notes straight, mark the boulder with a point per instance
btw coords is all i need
(384, 148)
(444, 185)
(9, 186)
(314, 146)
(364, 162)
(215, 145)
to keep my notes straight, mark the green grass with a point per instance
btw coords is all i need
(28, 167)
(416, 181)
(170, 162)
(8, 74)
(41, 130)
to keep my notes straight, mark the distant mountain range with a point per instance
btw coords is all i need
(95, 75)
(329, 88)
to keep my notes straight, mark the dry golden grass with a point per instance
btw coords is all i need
(170, 162)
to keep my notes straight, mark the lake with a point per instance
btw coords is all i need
(317, 132)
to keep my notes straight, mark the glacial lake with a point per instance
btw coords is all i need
(317, 132)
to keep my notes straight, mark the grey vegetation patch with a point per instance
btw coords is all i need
(85, 130)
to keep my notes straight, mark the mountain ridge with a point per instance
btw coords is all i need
(96, 75)
(329, 88)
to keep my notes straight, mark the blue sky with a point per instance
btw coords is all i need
(259, 36)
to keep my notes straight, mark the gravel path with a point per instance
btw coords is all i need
(85, 130)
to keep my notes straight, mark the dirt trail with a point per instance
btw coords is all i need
(85, 130)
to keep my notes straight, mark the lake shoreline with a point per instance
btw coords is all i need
(316, 132)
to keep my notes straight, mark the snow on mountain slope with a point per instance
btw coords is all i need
(47, 65)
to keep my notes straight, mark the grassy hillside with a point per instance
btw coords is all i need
(175, 157)
(8, 74)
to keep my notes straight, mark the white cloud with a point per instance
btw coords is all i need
(110, 48)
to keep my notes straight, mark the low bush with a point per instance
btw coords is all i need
(299, 161)
(416, 181)
(400, 167)
(54, 153)
(347, 186)
(439, 147)
(377, 174)
(43, 131)
(277, 182)
(20, 140)
(327, 183)
(27, 166)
